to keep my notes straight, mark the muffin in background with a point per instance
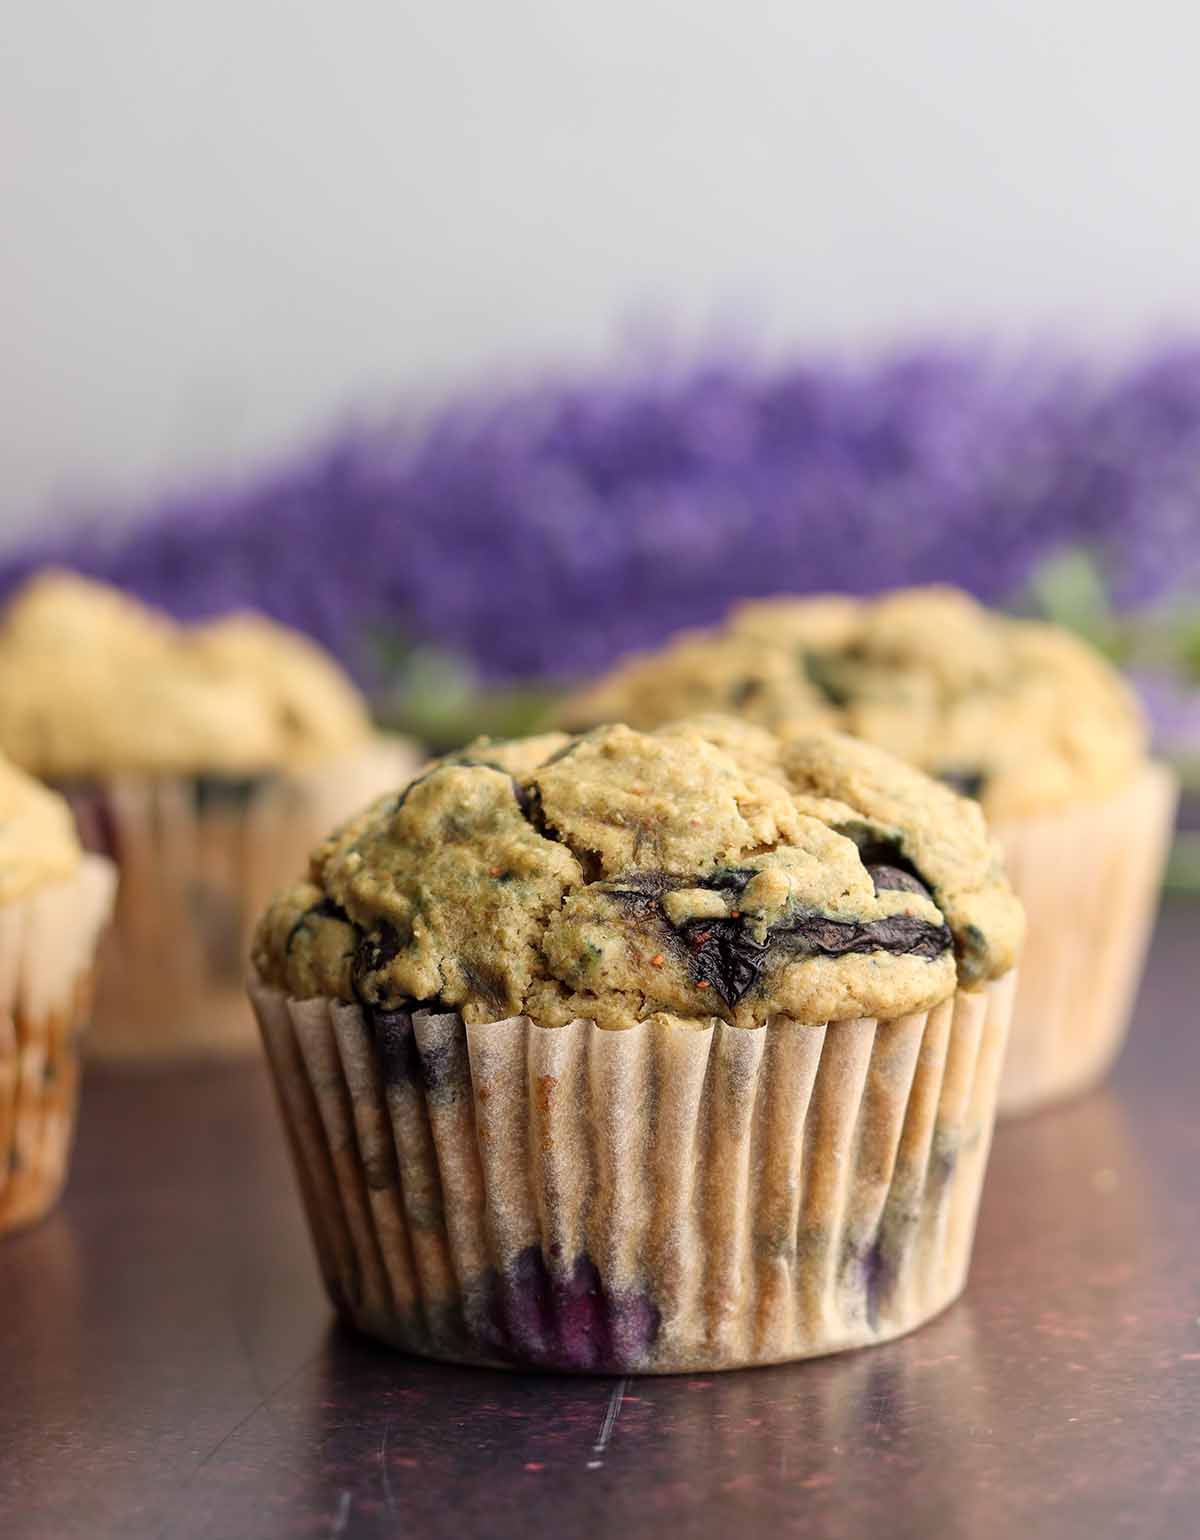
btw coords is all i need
(1021, 715)
(204, 760)
(54, 903)
(644, 1052)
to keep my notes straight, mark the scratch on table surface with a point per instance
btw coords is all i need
(254, 1410)
(240, 1424)
(241, 1331)
(388, 1496)
(611, 1413)
(342, 1517)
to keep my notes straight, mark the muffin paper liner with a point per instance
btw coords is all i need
(1089, 878)
(668, 1198)
(199, 859)
(47, 944)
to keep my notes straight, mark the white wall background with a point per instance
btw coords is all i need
(223, 222)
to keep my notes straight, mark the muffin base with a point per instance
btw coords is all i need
(1089, 878)
(665, 1199)
(199, 859)
(47, 941)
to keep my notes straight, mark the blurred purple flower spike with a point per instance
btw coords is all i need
(541, 531)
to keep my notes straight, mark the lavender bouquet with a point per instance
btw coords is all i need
(465, 562)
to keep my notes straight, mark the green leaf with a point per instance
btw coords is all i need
(1183, 867)
(1070, 590)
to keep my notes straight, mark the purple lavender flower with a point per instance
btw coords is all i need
(540, 532)
(1174, 711)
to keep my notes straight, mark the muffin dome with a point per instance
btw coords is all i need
(37, 835)
(92, 682)
(693, 871)
(1021, 714)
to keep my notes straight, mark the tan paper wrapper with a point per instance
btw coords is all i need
(1089, 879)
(667, 1198)
(47, 945)
(193, 883)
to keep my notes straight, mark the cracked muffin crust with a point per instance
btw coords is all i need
(1022, 715)
(697, 871)
(94, 683)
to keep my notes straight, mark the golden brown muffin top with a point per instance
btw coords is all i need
(38, 843)
(1022, 714)
(698, 871)
(93, 682)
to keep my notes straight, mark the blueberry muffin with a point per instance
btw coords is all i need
(203, 760)
(1020, 715)
(54, 902)
(644, 1051)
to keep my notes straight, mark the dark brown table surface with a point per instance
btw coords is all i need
(168, 1366)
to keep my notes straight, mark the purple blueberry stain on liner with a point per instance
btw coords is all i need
(582, 1333)
(943, 1158)
(433, 1069)
(441, 1071)
(566, 1318)
(517, 1321)
(878, 1278)
(227, 793)
(95, 820)
(396, 1045)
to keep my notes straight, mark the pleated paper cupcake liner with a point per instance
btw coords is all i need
(1089, 878)
(47, 945)
(673, 1197)
(199, 859)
